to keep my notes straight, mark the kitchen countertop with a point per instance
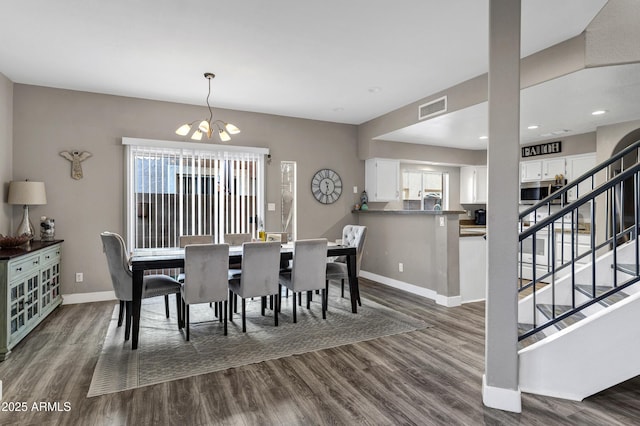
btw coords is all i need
(473, 230)
(411, 212)
(583, 228)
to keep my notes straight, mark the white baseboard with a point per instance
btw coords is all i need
(474, 301)
(96, 296)
(448, 301)
(501, 398)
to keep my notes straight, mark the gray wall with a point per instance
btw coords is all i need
(6, 148)
(571, 145)
(608, 138)
(69, 120)
(429, 252)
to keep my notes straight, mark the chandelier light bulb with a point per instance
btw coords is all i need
(183, 130)
(231, 129)
(204, 126)
(224, 136)
(197, 135)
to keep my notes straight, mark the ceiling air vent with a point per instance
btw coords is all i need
(432, 108)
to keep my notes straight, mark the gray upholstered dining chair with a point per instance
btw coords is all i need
(237, 239)
(307, 272)
(121, 278)
(352, 236)
(206, 268)
(184, 240)
(257, 278)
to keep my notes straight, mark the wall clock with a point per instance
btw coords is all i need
(326, 186)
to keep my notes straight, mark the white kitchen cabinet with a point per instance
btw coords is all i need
(530, 171)
(577, 165)
(536, 170)
(553, 167)
(540, 254)
(473, 185)
(382, 179)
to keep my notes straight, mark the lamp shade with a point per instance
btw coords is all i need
(27, 193)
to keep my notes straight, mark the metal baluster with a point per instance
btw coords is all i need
(614, 242)
(573, 261)
(636, 193)
(593, 245)
(533, 276)
(552, 241)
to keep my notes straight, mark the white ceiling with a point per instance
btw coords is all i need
(335, 60)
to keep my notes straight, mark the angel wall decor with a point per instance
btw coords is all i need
(76, 157)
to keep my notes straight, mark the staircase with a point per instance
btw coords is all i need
(577, 329)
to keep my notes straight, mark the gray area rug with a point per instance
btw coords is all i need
(164, 355)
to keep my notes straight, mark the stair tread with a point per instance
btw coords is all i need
(587, 290)
(523, 328)
(627, 268)
(559, 310)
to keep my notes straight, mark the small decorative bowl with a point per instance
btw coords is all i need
(11, 242)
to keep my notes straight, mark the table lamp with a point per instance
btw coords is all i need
(26, 193)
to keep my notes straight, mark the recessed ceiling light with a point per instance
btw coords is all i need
(599, 112)
(339, 109)
(375, 89)
(483, 138)
(533, 127)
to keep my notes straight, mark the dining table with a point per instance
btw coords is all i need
(173, 258)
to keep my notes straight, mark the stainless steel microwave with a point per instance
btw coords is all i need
(533, 192)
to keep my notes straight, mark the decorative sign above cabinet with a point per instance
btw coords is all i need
(542, 149)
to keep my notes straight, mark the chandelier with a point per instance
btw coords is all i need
(207, 126)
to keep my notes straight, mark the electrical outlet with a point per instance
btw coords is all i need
(441, 220)
(355, 189)
(79, 277)
(400, 267)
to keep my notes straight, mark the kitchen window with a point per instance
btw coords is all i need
(425, 190)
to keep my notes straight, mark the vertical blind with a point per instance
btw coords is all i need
(174, 191)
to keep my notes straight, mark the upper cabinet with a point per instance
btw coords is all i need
(552, 168)
(577, 165)
(530, 171)
(382, 179)
(535, 170)
(473, 185)
(571, 167)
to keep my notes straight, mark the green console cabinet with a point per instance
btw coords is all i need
(29, 289)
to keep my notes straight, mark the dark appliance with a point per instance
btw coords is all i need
(533, 192)
(481, 217)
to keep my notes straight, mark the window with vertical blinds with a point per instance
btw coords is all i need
(176, 189)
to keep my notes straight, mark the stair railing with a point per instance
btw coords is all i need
(540, 237)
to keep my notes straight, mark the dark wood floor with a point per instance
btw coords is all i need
(427, 377)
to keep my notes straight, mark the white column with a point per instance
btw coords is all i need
(500, 381)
